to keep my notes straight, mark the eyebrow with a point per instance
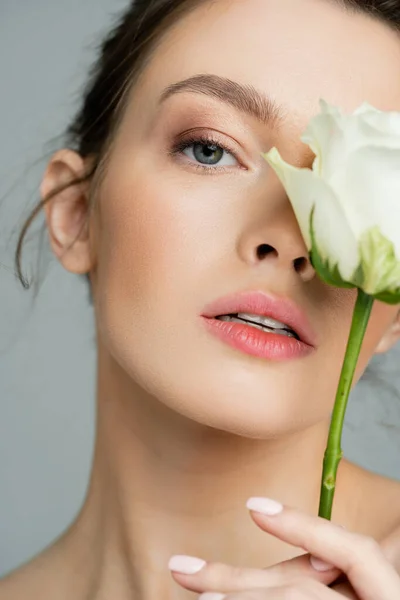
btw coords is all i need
(243, 97)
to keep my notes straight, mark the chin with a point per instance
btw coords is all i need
(241, 404)
(216, 386)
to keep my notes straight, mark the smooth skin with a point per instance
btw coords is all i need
(188, 428)
(360, 566)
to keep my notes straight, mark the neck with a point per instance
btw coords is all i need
(162, 484)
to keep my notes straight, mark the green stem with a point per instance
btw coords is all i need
(333, 452)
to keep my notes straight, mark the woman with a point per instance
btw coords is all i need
(161, 197)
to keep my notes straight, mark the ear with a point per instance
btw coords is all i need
(391, 337)
(67, 213)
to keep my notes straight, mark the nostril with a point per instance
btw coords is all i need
(264, 249)
(300, 264)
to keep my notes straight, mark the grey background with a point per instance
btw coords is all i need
(47, 353)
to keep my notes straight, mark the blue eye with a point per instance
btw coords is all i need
(206, 153)
(209, 154)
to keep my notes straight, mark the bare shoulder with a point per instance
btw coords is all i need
(20, 583)
(15, 585)
(29, 580)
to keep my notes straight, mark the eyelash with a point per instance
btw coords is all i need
(204, 139)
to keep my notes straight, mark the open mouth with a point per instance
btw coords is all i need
(266, 324)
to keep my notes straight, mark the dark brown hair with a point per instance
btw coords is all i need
(122, 56)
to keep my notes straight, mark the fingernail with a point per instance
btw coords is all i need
(212, 596)
(320, 565)
(266, 506)
(188, 565)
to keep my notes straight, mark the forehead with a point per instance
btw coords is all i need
(294, 50)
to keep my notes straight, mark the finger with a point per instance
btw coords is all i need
(307, 589)
(359, 557)
(391, 548)
(345, 590)
(197, 575)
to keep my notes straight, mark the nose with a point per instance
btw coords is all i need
(275, 242)
(301, 265)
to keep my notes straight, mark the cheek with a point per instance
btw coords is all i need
(142, 240)
(163, 233)
(157, 255)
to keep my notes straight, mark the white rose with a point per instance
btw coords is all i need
(348, 204)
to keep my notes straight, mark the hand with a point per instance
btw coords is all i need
(361, 559)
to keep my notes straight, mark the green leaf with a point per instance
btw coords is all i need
(389, 297)
(380, 265)
(378, 273)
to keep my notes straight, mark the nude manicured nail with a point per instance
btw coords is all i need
(320, 565)
(211, 596)
(188, 565)
(266, 506)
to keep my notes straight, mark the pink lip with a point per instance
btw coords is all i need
(254, 341)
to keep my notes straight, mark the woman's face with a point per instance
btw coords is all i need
(174, 236)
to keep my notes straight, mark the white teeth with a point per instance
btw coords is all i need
(266, 321)
(279, 329)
